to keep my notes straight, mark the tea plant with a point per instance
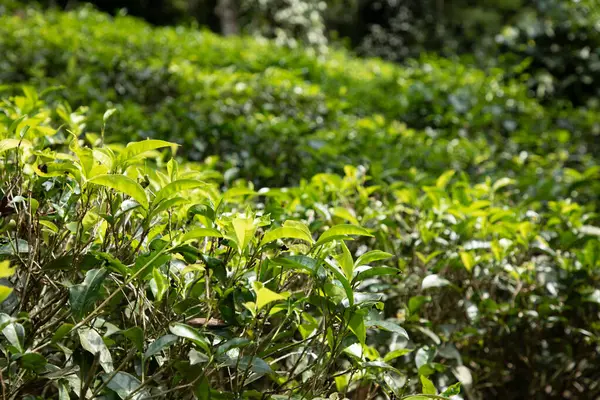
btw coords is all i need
(138, 278)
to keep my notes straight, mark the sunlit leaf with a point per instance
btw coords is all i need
(286, 233)
(135, 149)
(123, 184)
(341, 231)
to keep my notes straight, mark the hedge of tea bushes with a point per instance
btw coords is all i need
(128, 275)
(274, 115)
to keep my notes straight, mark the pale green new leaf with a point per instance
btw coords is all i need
(176, 187)
(346, 262)
(428, 386)
(123, 184)
(5, 269)
(286, 232)
(371, 256)
(244, 229)
(341, 232)
(357, 326)
(9, 144)
(161, 284)
(136, 148)
(199, 233)
(5, 291)
(265, 296)
(344, 213)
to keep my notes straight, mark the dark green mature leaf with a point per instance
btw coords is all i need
(160, 344)
(13, 248)
(187, 332)
(33, 361)
(136, 335)
(112, 263)
(388, 326)
(62, 331)
(83, 295)
(342, 279)
(124, 384)
(13, 331)
(148, 262)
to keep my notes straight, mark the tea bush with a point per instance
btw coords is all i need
(136, 277)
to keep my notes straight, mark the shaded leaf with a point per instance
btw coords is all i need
(160, 344)
(84, 295)
(91, 341)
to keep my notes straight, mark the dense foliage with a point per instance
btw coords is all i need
(472, 205)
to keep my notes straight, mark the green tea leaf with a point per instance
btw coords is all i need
(341, 232)
(199, 233)
(9, 144)
(123, 184)
(287, 233)
(33, 361)
(136, 335)
(160, 344)
(375, 271)
(428, 386)
(62, 331)
(124, 384)
(5, 291)
(266, 296)
(452, 390)
(342, 279)
(137, 148)
(176, 187)
(357, 326)
(244, 229)
(83, 295)
(468, 260)
(371, 256)
(187, 332)
(161, 284)
(346, 262)
(91, 341)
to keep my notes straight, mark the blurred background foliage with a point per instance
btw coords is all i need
(556, 42)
